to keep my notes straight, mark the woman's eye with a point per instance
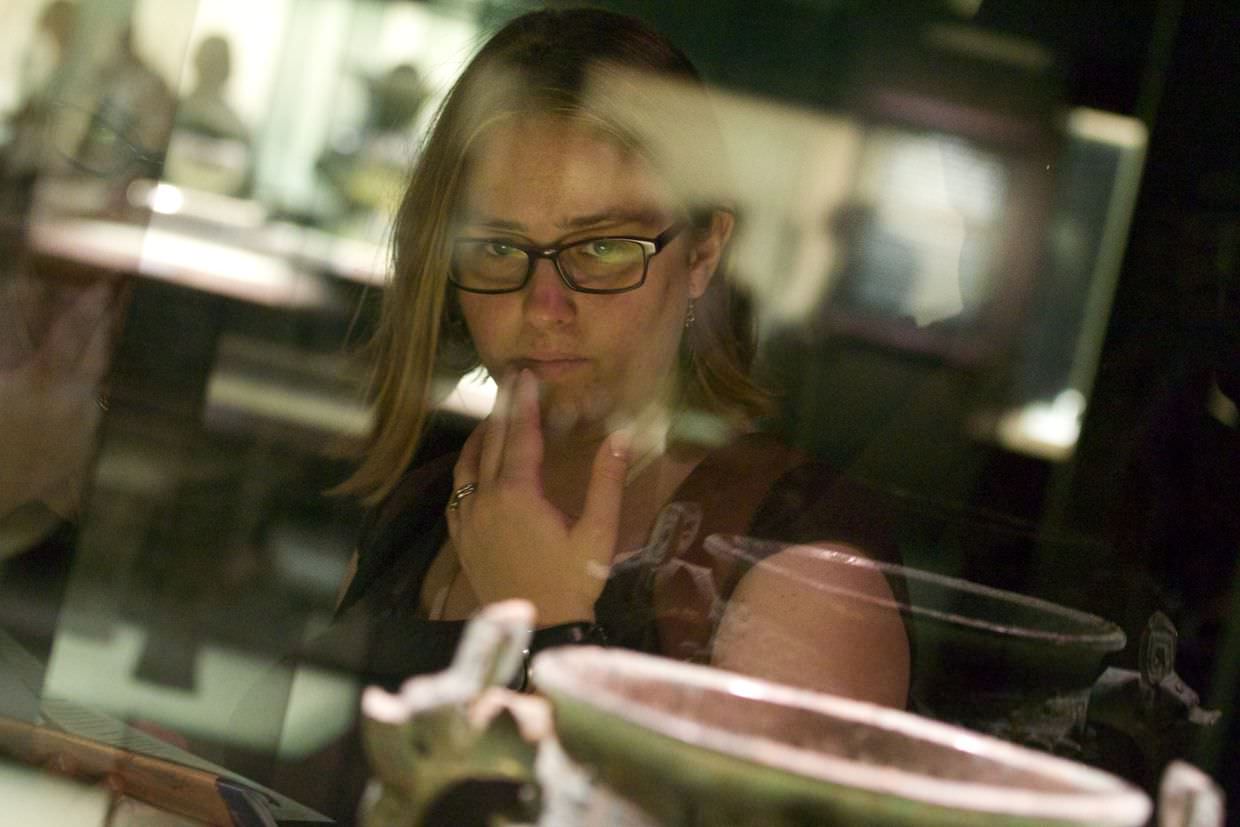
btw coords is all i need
(499, 249)
(603, 248)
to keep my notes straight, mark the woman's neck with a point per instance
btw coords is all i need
(652, 483)
(568, 456)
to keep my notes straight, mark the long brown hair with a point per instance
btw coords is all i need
(538, 63)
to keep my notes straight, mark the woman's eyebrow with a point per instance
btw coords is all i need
(480, 220)
(641, 215)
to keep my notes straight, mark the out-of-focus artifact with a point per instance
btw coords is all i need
(1188, 798)
(457, 739)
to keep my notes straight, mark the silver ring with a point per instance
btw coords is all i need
(454, 502)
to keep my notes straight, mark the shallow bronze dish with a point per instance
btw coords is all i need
(693, 745)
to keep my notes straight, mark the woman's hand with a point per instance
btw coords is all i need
(513, 542)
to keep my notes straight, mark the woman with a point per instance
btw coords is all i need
(542, 236)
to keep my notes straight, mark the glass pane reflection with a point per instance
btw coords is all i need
(932, 219)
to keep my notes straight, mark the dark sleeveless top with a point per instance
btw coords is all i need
(664, 599)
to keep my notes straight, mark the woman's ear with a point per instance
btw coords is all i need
(708, 246)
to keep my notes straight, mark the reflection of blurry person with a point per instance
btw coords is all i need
(24, 154)
(396, 99)
(211, 148)
(90, 134)
(206, 108)
(134, 103)
(363, 165)
(49, 53)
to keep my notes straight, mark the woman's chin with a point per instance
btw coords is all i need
(575, 410)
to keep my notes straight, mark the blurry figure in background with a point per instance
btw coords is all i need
(48, 55)
(211, 149)
(92, 131)
(25, 153)
(130, 123)
(367, 166)
(206, 109)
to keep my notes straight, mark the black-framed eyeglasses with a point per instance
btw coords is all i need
(604, 264)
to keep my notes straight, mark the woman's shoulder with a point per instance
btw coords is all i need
(722, 496)
(406, 518)
(744, 467)
(763, 487)
(417, 490)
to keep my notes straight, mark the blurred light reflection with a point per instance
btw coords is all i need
(166, 199)
(30, 795)
(746, 688)
(180, 259)
(473, 395)
(1044, 429)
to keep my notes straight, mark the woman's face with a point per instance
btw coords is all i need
(548, 181)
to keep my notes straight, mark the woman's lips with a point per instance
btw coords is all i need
(551, 367)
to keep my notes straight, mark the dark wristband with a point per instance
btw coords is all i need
(566, 634)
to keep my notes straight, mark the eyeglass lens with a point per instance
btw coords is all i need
(597, 264)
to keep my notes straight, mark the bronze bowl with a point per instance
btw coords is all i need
(692, 745)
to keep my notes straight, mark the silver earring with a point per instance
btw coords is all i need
(690, 318)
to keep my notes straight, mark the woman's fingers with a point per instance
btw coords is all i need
(523, 447)
(466, 468)
(465, 471)
(492, 452)
(600, 521)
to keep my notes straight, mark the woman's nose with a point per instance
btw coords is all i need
(548, 301)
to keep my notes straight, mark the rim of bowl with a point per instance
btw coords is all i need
(1108, 637)
(579, 674)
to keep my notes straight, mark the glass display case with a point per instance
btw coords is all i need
(984, 285)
